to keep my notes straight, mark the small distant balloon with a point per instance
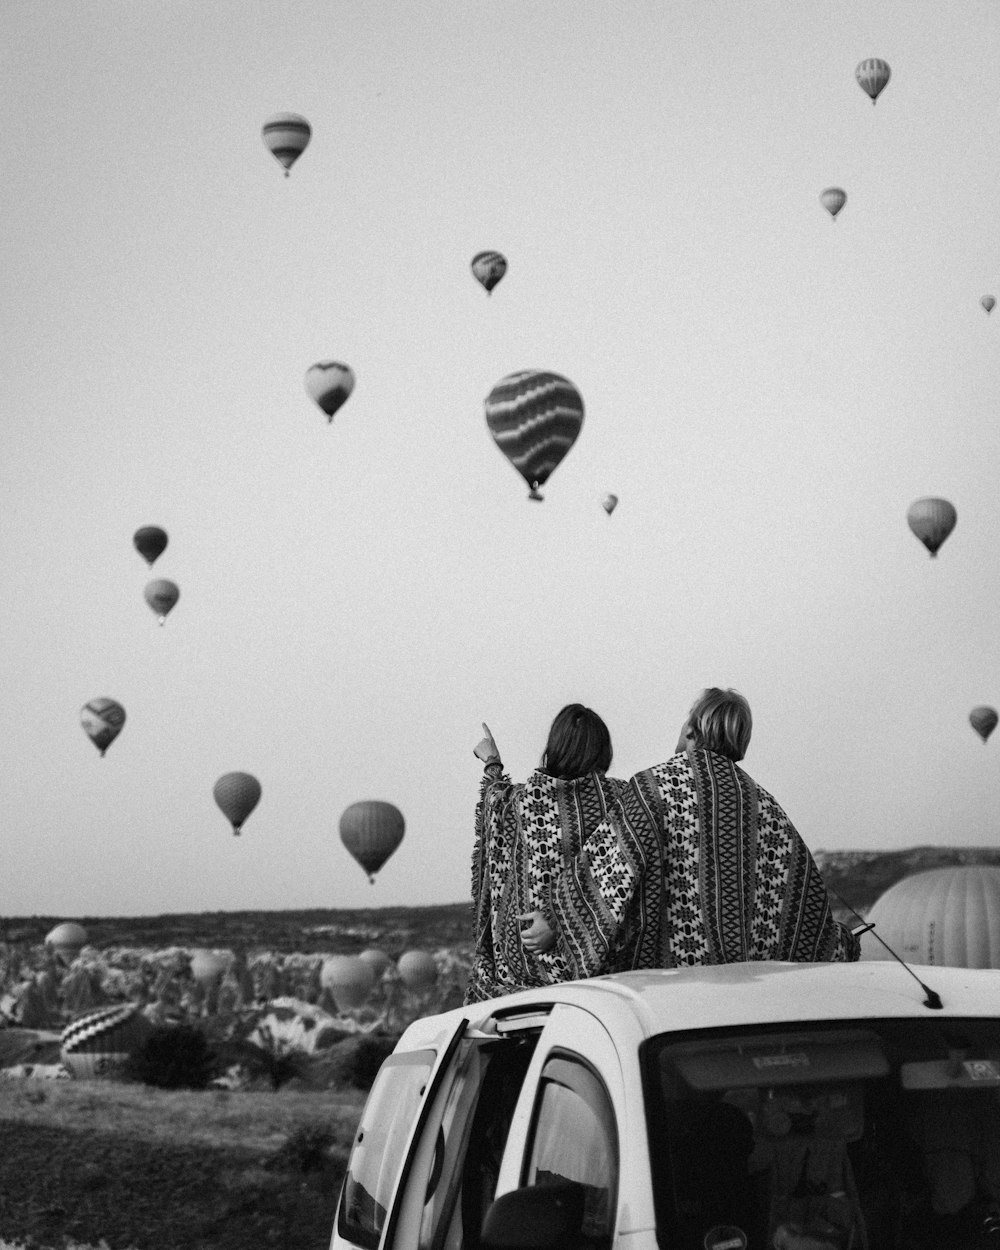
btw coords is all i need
(161, 596)
(328, 384)
(989, 303)
(534, 417)
(287, 136)
(833, 200)
(237, 794)
(873, 74)
(208, 966)
(67, 939)
(931, 520)
(609, 503)
(417, 970)
(376, 959)
(150, 541)
(102, 721)
(983, 720)
(371, 830)
(349, 978)
(489, 268)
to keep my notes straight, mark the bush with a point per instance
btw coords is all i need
(356, 1061)
(174, 1056)
(306, 1149)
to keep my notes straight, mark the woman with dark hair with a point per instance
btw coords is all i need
(527, 835)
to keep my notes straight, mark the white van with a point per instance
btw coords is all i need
(760, 1105)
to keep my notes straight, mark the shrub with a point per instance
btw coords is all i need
(306, 1149)
(174, 1056)
(356, 1061)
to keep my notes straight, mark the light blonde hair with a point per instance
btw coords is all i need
(720, 721)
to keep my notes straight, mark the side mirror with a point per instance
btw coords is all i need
(539, 1217)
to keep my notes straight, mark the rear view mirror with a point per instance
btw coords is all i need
(539, 1217)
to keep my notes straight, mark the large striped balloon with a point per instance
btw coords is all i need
(932, 520)
(328, 384)
(287, 136)
(102, 1042)
(948, 916)
(371, 830)
(872, 75)
(534, 418)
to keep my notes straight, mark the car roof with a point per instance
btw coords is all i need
(643, 1004)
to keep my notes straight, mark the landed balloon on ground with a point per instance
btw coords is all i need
(67, 939)
(207, 966)
(161, 596)
(947, 916)
(102, 721)
(931, 520)
(417, 970)
(534, 418)
(150, 541)
(371, 830)
(328, 384)
(983, 720)
(376, 959)
(237, 794)
(873, 74)
(489, 268)
(102, 1042)
(833, 200)
(287, 136)
(349, 978)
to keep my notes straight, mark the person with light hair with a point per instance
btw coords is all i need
(708, 868)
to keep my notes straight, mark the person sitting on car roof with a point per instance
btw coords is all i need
(708, 869)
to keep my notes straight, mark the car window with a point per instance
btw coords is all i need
(575, 1139)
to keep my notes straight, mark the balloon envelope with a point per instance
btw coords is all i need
(101, 1042)
(873, 74)
(833, 200)
(67, 939)
(287, 136)
(932, 520)
(207, 966)
(988, 302)
(489, 268)
(948, 916)
(417, 970)
(349, 978)
(161, 596)
(237, 794)
(983, 720)
(102, 721)
(150, 541)
(534, 417)
(609, 503)
(328, 383)
(371, 830)
(376, 959)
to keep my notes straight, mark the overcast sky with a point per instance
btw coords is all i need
(766, 390)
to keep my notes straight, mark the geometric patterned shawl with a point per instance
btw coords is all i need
(526, 836)
(722, 874)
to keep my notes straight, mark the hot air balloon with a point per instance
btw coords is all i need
(349, 979)
(873, 74)
(102, 721)
(161, 596)
(947, 916)
(237, 794)
(376, 959)
(287, 136)
(534, 418)
(328, 383)
(371, 830)
(208, 967)
(932, 520)
(833, 200)
(609, 503)
(417, 970)
(150, 541)
(489, 268)
(983, 720)
(989, 303)
(102, 1042)
(67, 939)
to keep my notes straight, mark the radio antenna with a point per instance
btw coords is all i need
(933, 999)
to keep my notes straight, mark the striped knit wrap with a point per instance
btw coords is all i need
(527, 835)
(721, 875)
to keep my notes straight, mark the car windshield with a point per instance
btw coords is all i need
(848, 1137)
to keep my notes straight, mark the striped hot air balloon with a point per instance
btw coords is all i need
(371, 830)
(873, 74)
(489, 268)
(932, 520)
(328, 384)
(948, 916)
(534, 418)
(983, 720)
(102, 721)
(287, 136)
(102, 1042)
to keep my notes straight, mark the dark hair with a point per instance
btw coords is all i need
(579, 743)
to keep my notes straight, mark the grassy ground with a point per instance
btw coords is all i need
(145, 1169)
